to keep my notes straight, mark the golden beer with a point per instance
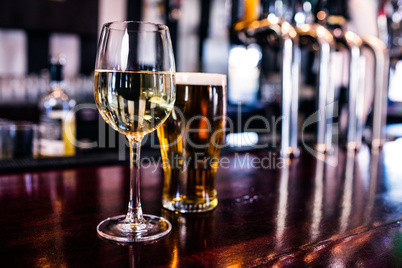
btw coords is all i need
(191, 140)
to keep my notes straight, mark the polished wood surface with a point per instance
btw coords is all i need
(344, 212)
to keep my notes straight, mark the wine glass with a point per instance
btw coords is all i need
(134, 93)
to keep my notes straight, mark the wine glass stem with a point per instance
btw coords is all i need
(134, 213)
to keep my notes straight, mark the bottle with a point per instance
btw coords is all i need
(57, 122)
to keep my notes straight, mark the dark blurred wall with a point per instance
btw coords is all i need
(40, 18)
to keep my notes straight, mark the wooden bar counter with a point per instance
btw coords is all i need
(344, 212)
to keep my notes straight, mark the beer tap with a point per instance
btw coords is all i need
(316, 41)
(334, 15)
(290, 40)
(381, 68)
(275, 33)
(376, 81)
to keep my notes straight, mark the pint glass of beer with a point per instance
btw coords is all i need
(191, 140)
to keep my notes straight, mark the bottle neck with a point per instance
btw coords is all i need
(56, 84)
(56, 76)
(56, 72)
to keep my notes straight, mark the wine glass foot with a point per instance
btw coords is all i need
(116, 229)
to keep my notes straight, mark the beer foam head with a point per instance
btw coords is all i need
(200, 79)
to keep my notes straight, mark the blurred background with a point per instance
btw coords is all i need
(203, 36)
(33, 31)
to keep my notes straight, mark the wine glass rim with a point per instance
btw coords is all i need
(159, 27)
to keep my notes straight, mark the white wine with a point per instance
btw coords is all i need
(134, 103)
